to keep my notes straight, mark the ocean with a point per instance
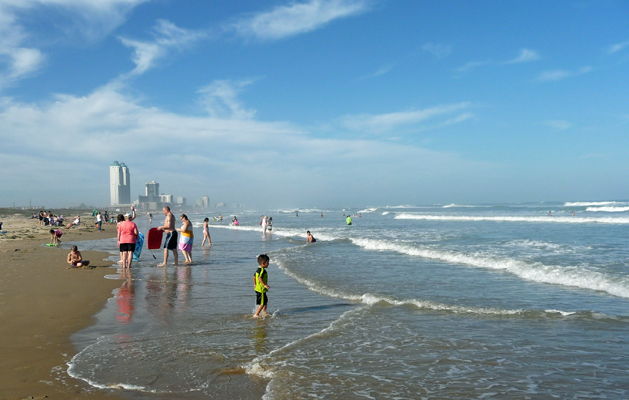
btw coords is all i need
(409, 302)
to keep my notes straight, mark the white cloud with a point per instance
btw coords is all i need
(617, 47)
(471, 65)
(167, 37)
(388, 122)
(220, 100)
(526, 55)
(285, 21)
(438, 50)
(190, 155)
(559, 124)
(560, 74)
(20, 59)
(382, 71)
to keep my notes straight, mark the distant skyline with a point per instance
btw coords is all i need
(315, 103)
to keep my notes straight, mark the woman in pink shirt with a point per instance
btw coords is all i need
(127, 236)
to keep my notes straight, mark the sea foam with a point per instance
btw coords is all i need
(544, 219)
(607, 209)
(532, 271)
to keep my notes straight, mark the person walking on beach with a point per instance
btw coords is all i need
(186, 238)
(206, 232)
(99, 221)
(75, 259)
(261, 285)
(170, 243)
(127, 237)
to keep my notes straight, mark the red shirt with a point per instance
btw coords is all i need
(126, 232)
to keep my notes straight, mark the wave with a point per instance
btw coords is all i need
(282, 232)
(301, 210)
(595, 203)
(368, 210)
(385, 213)
(460, 206)
(530, 271)
(607, 209)
(545, 219)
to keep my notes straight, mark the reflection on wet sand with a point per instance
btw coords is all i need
(125, 298)
(168, 293)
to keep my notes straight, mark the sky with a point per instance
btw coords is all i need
(315, 103)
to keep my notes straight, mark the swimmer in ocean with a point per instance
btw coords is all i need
(310, 238)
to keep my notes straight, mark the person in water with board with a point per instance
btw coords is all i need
(170, 243)
(310, 238)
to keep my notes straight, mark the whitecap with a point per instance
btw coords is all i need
(531, 271)
(607, 209)
(544, 219)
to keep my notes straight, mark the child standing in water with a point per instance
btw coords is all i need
(75, 259)
(206, 232)
(260, 282)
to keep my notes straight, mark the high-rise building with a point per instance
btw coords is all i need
(166, 198)
(125, 190)
(152, 191)
(206, 201)
(119, 184)
(181, 201)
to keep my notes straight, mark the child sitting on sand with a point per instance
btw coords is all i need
(75, 259)
(55, 235)
(260, 282)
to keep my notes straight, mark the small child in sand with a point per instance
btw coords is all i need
(260, 282)
(75, 259)
(55, 235)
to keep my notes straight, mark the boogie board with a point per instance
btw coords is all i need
(138, 247)
(51, 245)
(154, 239)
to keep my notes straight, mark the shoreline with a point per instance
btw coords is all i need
(42, 304)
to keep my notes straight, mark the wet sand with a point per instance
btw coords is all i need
(42, 303)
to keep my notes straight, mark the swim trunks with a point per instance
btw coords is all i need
(171, 241)
(261, 299)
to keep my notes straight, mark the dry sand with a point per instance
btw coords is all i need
(42, 303)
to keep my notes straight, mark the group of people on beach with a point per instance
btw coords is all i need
(180, 239)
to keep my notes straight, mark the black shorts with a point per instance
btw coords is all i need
(261, 299)
(127, 247)
(171, 241)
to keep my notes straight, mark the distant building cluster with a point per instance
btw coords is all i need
(152, 200)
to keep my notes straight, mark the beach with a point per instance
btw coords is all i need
(42, 303)
(436, 301)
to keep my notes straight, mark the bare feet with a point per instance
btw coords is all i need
(161, 265)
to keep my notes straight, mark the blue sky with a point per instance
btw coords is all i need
(315, 102)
